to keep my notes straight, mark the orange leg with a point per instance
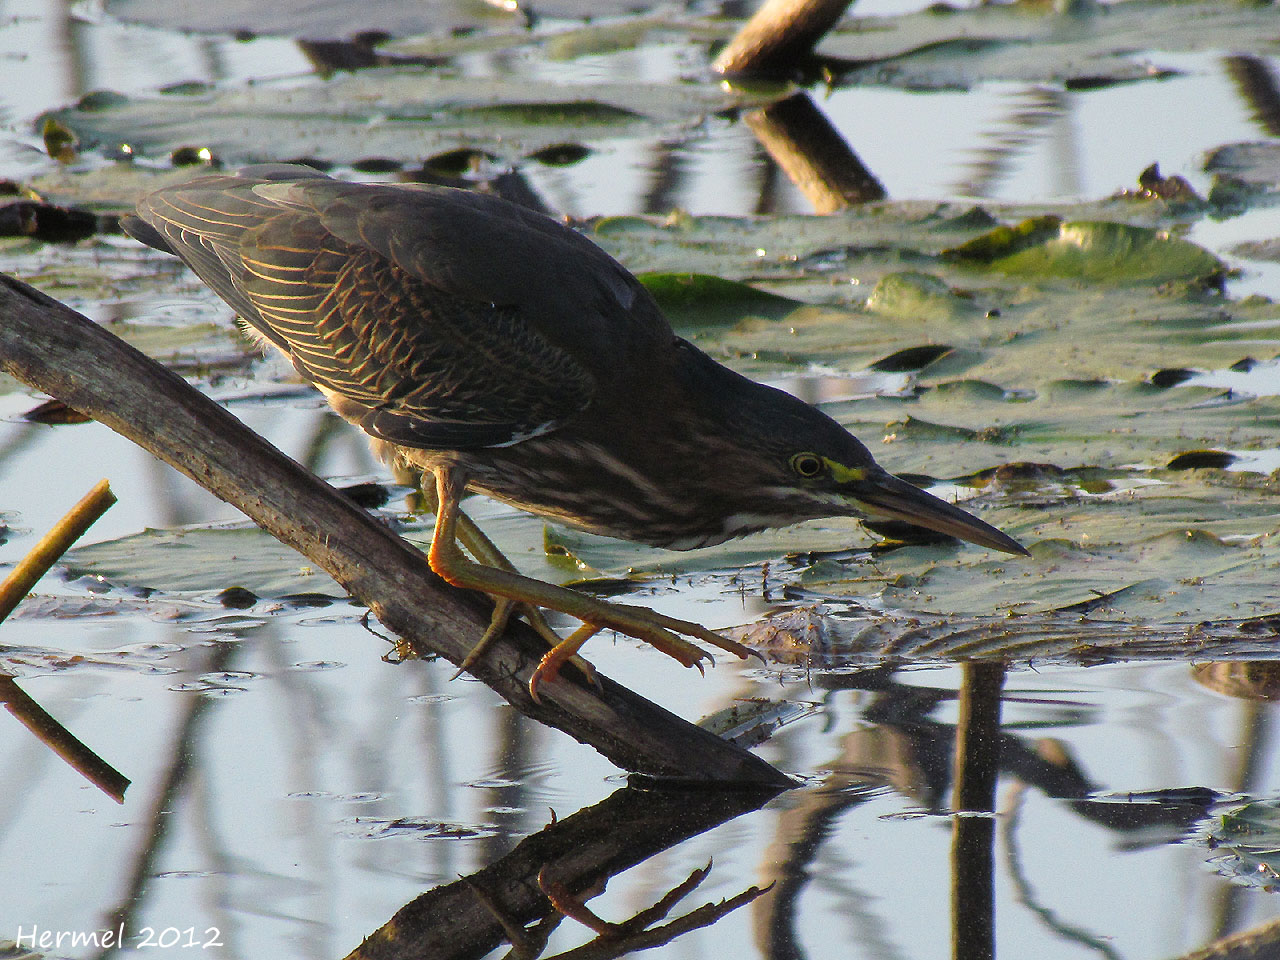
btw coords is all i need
(500, 581)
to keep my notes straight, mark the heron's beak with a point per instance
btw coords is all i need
(881, 494)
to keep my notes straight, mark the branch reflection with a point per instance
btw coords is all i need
(811, 151)
(571, 859)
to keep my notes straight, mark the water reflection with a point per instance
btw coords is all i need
(1258, 86)
(243, 805)
(817, 387)
(271, 803)
(977, 764)
(1031, 114)
(568, 860)
(810, 150)
(475, 914)
(1244, 679)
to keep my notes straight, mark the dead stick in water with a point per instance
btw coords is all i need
(779, 37)
(61, 740)
(16, 586)
(53, 545)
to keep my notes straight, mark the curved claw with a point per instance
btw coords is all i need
(502, 608)
(548, 668)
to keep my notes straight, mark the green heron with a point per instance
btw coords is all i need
(499, 351)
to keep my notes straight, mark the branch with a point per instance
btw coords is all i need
(57, 351)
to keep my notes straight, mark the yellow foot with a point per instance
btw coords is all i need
(503, 607)
(548, 668)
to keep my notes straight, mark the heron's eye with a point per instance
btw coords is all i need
(807, 465)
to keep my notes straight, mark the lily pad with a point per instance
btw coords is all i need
(911, 358)
(699, 299)
(331, 19)
(1098, 252)
(202, 560)
(1245, 841)
(1005, 241)
(920, 296)
(1086, 47)
(1254, 163)
(396, 113)
(1182, 551)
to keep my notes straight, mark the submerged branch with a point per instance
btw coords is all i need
(56, 350)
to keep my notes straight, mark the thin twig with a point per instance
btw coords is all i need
(53, 545)
(62, 741)
(16, 586)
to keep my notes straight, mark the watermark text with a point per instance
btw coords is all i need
(106, 938)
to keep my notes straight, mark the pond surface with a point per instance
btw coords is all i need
(292, 789)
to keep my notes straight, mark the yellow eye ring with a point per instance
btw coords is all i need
(807, 465)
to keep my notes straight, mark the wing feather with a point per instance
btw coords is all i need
(414, 362)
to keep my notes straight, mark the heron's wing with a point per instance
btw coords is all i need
(413, 363)
(481, 248)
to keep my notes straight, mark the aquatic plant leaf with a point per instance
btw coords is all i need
(751, 722)
(834, 636)
(1097, 252)
(397, 113)
(911, 358)
(1182, 552)
(921, 296)
(202, 560)
(1257, 164)
(1084, 48)
(700, 299)
(340, 18)
(593, 557)
(1005, 241)
(542, 113)
(1245, 843)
